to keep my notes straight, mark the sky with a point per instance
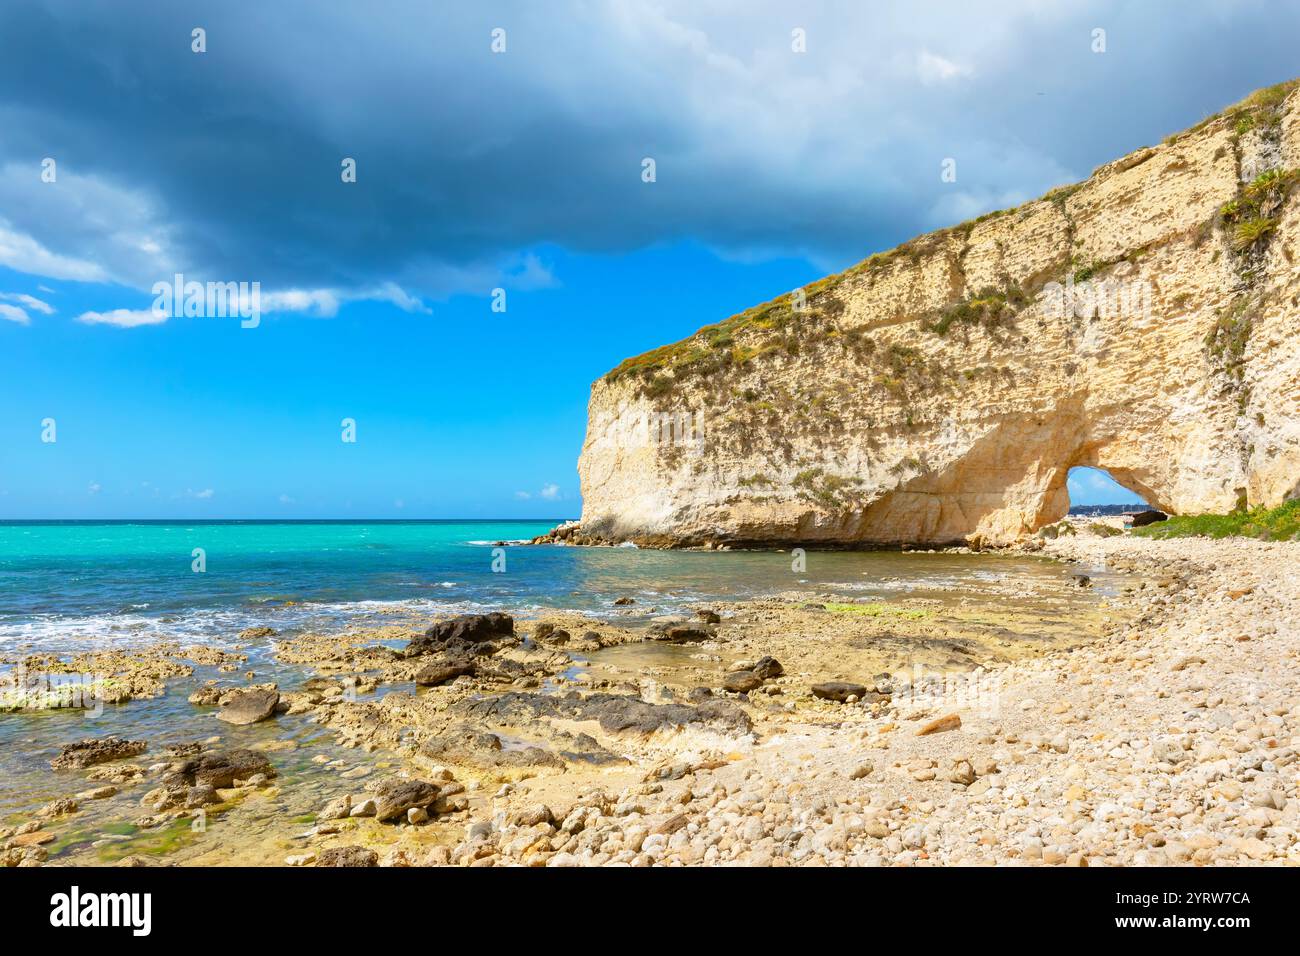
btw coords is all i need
(497, 146)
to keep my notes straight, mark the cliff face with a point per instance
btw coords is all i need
(1145, 321)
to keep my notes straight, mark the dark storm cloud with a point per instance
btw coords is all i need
(226, 164)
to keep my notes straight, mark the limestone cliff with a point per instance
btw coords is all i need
(1144, 321)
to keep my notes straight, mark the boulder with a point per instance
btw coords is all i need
(394, 797)
(248, 706)
(839, 691)
(220, 769)
(684, 634)
(468, 628)
(347, 856)
(741, 682)
(768, 668)
(442, 672)
(87, 753)
(1150, 516)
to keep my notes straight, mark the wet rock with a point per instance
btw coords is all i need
(768, 668)
(394, 797)
(543, 630)
(32, 838)
(624, 601)
(442, 672)
(708, 617)
(741, 682)
(248, 706)
(353, 856)
(57, 808)
(838, 691)
(205, 697)
(87, 753)
(337, 809)
(1082, 580)
(182, 751)
(468, 628)
(98, 793)
(682, 634)
(221, 769)
(483, 749)
(250, 633)
(615, 713)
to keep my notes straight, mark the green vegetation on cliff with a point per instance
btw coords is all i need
(1267, 524)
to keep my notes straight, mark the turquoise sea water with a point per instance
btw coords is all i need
(70, 584)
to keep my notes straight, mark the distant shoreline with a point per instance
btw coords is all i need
(15, 522)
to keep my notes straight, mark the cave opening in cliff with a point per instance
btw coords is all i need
(1093, 489)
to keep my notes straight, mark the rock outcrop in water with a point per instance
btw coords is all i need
(1144, 321)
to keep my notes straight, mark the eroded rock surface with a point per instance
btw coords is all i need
(1143, 321)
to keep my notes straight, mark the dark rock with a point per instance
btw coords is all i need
(708, 617)
(683, 634)
(182, 751)
(1144, 518)
(347, 856)
(615, 713)
(624, 601)
(394, 797)
(87, 753)
(741, 682)
(220, 769)
(1082, 580)
(466, 629)
(248, 706)
(544, 630)
(838, 691)
(697, 694)
(441, 672)
(768, 668)
(480, 748)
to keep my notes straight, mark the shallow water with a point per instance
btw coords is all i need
(67, 587)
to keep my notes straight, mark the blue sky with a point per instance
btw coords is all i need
(476, 170)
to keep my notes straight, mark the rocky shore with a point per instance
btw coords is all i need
(1159, 728)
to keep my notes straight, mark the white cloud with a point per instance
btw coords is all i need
(286, 500)
(93, 488)
(123, 318)
(203, 495)
(12, 313)
(22, 253)
(523, 495)
(550, 492)
(933, 68)
(30, 301)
